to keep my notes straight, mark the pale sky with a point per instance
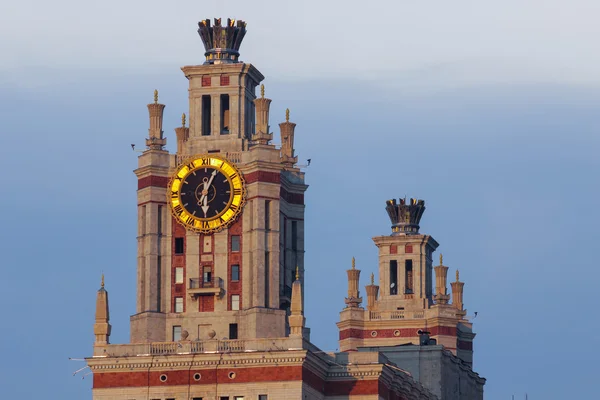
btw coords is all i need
(489, 112)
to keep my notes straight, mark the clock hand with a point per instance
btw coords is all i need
(205, 205)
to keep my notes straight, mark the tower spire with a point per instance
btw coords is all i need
(372, 292)
(286, 130)
(353, 299)
(457, 296)
(296, 319)
(101, 326)
(441, 273)
(262, 104)
(155, 140)
(182, 133)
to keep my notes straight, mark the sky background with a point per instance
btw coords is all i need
(489, 112)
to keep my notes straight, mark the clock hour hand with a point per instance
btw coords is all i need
(205, 205)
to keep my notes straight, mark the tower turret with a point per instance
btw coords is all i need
(155, 139)
(287, 141)
(262, 104)
(441, 296)
(182, 133)
(296, 319)
(372, 291)
(353, 299)
(102, 326)
(457, 295)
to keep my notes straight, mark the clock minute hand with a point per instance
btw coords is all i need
(205, 205)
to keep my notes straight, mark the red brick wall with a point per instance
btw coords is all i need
(389, 333)
(158, 181)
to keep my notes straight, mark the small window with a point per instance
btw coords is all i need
(235, 302)
(235, 243)
(224, 398)
(179, 275)
(207, 274)
(177, 333)
(262, 397)
(393, 277)
(178, 304)
(238, 398)
(235, 273)
(267, 215)
(196, 398)
(233, 331)
(179, 245)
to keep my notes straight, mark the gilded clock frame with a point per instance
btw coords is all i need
(223, 219)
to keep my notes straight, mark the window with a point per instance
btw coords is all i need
(233, 331)
(235, 273)
(238, 398)
(177, 333)
(206, 111)
(267, 277)
(159, 222)
(235, 243)
(178, 304)
(224, 398)
(393, 277)
(179, 275)
(235, 302)
(262, 397)
(196, 398)
(179, 245)
(267, 215)
(408, 276)
(207, 274)
(224, 114)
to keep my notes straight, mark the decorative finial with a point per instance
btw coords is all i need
(441, 259)
(262, 91)
(456, 275)
(102, 282)
(155, 96)
(287, 115)
(353, 263)
(297, 273)
(372, 278)
(183, 120)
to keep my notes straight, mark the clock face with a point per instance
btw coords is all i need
(206, 193)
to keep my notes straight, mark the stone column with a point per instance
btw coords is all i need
(155, 139)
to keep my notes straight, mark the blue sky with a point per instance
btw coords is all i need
(489, 113)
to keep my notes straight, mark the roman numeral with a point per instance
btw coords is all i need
(205, 161)
(189, 220)
(233, 175)
(191, 166)
(178, 210)
(205, 225)
(237, 192)
(173, 195)
(234, 208)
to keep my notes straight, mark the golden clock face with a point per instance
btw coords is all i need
(206, 193)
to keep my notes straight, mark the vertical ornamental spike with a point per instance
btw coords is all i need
(353, 299)
(155, 140)
(262, 105)
(296, 319)
(372, 292)
(182, 134)
(101, 326)
(457, 295)
(286, 130)
(441, 275)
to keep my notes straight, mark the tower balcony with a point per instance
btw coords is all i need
(205, 287)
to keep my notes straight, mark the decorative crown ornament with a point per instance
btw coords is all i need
(405, 217)
(222, 43)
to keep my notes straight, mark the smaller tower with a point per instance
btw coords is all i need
(296, 319)
(287, 141)
(182, 133)
(441, 271)
(457, 296)
(353, 299)
(102, 327)
(155, 139)
(372, 291)
(262, 105)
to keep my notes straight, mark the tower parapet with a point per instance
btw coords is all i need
(405, 216)
(222, 43)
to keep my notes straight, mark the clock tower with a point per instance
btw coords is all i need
(221, 221)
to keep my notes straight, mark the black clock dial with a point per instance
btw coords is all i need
(206, 193)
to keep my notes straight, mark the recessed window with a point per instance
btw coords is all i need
(206, 111)
(233, 331)
(408, 268)
(177, 333)
(178, 304)
(179, 275)
(235, 243)
(262, 397)
(179, 245)
(207, 274)
(235, 273)
(393, 277)
(235, 302)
